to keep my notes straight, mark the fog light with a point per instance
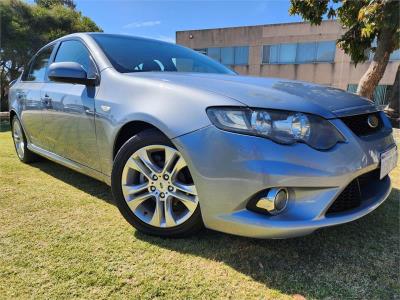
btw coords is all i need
(275, 201)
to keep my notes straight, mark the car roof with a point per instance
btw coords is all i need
(91, 34)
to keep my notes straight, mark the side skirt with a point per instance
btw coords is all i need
(70, 164)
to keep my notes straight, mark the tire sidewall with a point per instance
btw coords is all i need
(16, 120)
(143, 139)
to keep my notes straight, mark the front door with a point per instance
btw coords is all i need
(68, 114)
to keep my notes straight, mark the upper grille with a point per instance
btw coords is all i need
(359, 124)
(353, 194)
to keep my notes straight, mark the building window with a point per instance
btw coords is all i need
(214, 53)
(242, 55)
(393, 57)
(299, 53)
(326, 51)
(230, 55)
(381, 93)
(274, 56)
(305, 53)
(270, 54)
(287, 53)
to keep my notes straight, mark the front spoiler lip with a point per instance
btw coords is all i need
(255, 227)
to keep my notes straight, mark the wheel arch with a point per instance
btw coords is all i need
(13, 113)
(130, 129)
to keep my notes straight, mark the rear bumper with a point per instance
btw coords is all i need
(228, 169)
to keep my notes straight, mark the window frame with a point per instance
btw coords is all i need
(33, 59)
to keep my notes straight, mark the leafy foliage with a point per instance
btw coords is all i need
(365, 21)
(26, 28)
(51, 3)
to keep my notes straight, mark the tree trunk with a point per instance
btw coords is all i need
(377, 67)
(3, 100)
(3, 84)
(6, 76)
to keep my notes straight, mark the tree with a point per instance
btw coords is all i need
(50, 3)
(366, 21)
(26, 28)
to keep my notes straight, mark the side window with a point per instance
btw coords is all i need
(75, 51)
(37, 70)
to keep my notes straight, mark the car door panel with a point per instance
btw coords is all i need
(29, 100)
(28, 96)
(68, 113)
(69, 122)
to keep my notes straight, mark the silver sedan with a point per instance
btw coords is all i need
(185, 142)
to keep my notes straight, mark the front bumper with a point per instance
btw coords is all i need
(228, 169)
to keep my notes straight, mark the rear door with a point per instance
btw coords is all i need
(68, 116)
(28, 94)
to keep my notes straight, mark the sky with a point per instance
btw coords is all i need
(161, 19)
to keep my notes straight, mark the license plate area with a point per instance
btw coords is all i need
(388, 161)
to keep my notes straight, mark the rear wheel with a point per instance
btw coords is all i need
(23, 153)
(153, 187)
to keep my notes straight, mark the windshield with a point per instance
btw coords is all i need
(130, 54)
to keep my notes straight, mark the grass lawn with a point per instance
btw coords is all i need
(62, 237)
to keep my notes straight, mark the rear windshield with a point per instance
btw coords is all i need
(129, 54)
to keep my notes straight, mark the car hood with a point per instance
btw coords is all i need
(273, 93)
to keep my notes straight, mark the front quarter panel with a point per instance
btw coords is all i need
(173, 109)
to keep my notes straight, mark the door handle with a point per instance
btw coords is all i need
(89, 112)
(20, 95)
(46, 100)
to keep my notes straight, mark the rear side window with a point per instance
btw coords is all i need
(74, 51)
(38, 67)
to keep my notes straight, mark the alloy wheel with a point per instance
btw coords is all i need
(18, 139)
(157, 186)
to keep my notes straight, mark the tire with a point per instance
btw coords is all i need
(170, 207)
(20, 142)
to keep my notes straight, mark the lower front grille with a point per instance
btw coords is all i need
(351, 197)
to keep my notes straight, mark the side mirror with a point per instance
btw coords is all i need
(69, 72)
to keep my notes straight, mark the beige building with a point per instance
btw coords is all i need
(292, 50)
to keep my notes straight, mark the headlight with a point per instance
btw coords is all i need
(280, 126)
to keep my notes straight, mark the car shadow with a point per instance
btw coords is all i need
(82, 182)
(355, 260)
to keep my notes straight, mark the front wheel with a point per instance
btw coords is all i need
(153, 187)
